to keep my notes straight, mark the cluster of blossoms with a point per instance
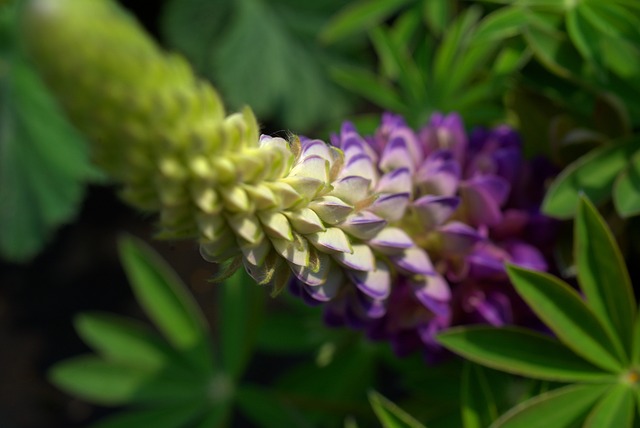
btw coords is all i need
(401, 234)
(472, 204)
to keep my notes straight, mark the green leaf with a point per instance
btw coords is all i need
(562, 309)
(615, 409)
(44, 163)
(267, 409)
(602, 273)
(478, 403)
(359, 17)
(216, 416)
(519, 351)
(562, 407)
(553, 50)
(263, 62)
(626, 189)
(593, 174)
(166, 301)
(241, 306)
(108, 383)
(438, 14)
(390, 415)
(635, 350)
(124, 340)
(501, 24)
(369, 86)
(170, 416)
(584, 36)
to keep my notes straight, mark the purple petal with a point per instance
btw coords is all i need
(433, 211)
(376, 283)
(492, 307)
(323, 292)
(363, 225)
(439, 174)
(434, 293)
(413, 261)
(391, 240)
(361, 258)
(396, 181)
(390, 207)
(319, 275)
(479, 205)
(458, 238)
(351, 189)
(525, 255)
(396, 155)
(487, 261)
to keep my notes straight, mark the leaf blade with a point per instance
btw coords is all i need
(563, 311)
(602, 273)
(519, 351)
(390, 414)
(615, 409)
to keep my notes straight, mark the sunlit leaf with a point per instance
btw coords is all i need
(593, 174)
(166, 301)
(124, 340)
(562, 407)
(520, 351)
(390, 414)
(615, 409)
(108, 383)
(626, 189)
(602, 273)
(562, 309)
(478, 403)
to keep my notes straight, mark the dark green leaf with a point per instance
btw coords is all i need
(584, 36)
(593, 174)
(44, 163)
(216, 416)
(602, 273)
(267, 409)
(521, 352)
(170, 416)
(262, 62)
(124, 340)
(615, 409)
(359, 17)
(289, 333)
(369, 86)
(553, 50)
(166, 301)
(241, 307)
(111, 384)
(501, 24)
(390, 415)
(438, 14)
(478, 403)
(626, 189)
(562, 407)
(562, 309)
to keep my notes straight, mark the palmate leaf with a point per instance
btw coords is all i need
(558, 408)
(562, 309)
(169, 416)
(519, 351)
(262, 54)
(267, 409)
(166, 301)
(44, 163)
(602, 274)
(391, 415)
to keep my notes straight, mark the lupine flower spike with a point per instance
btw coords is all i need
(395, 233)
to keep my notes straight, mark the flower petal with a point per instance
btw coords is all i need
(305, 220)
(331, 209)
(363, 225)
(391, 240)
(390, 207)
(396, 181)
(351, 189)
(331, 240)
(375, 283)
(361, 258)
(413, 261)
(433, 211)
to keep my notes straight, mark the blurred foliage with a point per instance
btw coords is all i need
(264, 54)
(44, 164)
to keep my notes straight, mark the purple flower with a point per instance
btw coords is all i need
(468, 200)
